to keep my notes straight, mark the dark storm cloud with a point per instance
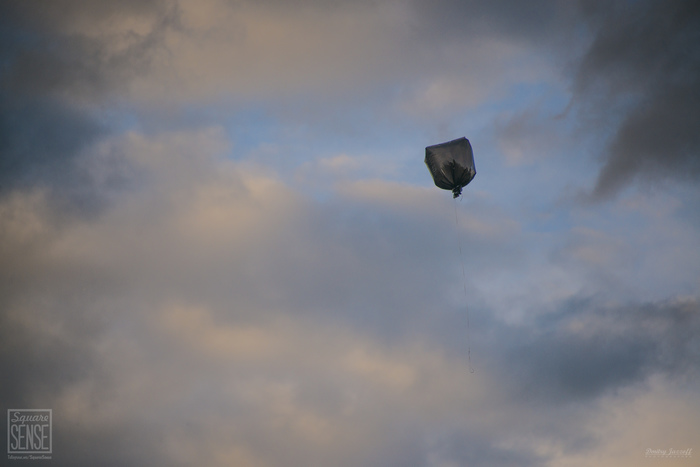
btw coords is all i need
(476, 450)
(32, 359)
(49, 48)
(216, 316)
(51, 76)
(645, 60)
(590, 349)
(531, 21)
(40, 139)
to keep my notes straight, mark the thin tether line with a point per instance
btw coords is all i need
(464, 278)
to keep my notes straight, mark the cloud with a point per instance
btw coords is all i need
(61, 63)
(216, 314)
(68, 49)
(643, 69)
(179, 53)
(509, 18)
(74, 74)
(529, 136)
(40, 142)
(583, 353)
(213, 303)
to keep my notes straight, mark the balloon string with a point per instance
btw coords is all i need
(466, 298)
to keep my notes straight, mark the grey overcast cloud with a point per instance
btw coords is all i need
(220, 246)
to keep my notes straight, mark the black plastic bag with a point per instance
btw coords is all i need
(451, 164)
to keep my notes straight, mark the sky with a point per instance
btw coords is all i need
(220, 245)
